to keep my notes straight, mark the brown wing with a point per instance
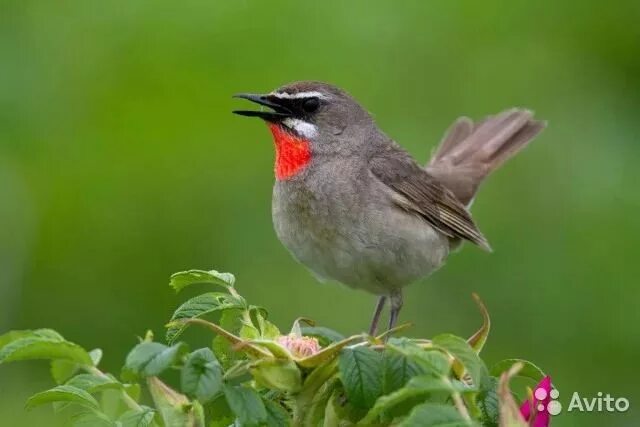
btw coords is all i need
(423, 194)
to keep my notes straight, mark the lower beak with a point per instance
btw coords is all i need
(279, 112)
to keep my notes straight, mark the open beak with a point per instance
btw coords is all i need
(278, 113)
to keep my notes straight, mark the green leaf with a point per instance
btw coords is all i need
(62, 370)
(201, 375)
(246, 404)
(218, 413)
(91, 419)
(133, 390)
(529, 370)
(183, 279)
(267, 329)
(149, 359)
(417, 386)
(199, 306)
(488, 402)
(40, 344)
(464, 354)
(324, 335)
(16, 335)
(96, 356)
(134, 418)
(360, 369)
(278, 374)
(429, 360)
(434, 415)
(398, 368)
(277, 416)
(230, 320)
(63, 393)
(93, 383)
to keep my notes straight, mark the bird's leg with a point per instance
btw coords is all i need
(376, 315)
(396, 305)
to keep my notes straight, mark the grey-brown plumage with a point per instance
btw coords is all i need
(362, 211)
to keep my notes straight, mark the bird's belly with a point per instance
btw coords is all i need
(376, 247)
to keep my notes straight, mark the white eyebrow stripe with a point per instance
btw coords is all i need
(298, 95)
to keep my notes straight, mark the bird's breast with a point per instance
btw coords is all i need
(344, 227)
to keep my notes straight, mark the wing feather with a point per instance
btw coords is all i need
(420, 192)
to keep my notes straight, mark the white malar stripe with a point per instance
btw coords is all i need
(303, 128)
(299, 95)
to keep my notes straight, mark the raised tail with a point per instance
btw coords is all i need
(470, 151)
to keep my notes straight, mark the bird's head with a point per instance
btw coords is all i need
(307, 118)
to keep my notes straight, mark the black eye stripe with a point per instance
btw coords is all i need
(299, 106)
(310, 105)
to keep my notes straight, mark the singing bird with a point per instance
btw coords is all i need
(354, 207)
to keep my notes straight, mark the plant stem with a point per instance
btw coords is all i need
(462, 408)
(128, 400)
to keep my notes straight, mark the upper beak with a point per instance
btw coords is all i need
(279, 111)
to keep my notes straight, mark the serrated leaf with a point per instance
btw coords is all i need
(63, 393)
(93, 383)
(464, 354)
(429, 360)
(199, 306)
(528, 369)
(434, 415)
(201, 375)
(183, 279)
(488, 402)
(40, 344)
(16, 335)
(398, 368)
(134, 418)
(360, 369)
(277, 416)
(218, 413)
(246, 404)
(417, 386)
(149, 359)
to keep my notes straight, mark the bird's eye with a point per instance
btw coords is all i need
(310, 105)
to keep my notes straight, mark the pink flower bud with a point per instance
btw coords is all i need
(299, 347)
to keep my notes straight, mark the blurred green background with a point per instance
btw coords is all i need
(120, 163)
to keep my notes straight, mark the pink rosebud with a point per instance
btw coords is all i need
(535, 411)
(299, 347)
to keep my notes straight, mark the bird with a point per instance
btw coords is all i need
(354, 207)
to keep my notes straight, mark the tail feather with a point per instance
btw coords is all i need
(471, 151)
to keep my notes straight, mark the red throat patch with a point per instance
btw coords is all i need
(292, 152)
